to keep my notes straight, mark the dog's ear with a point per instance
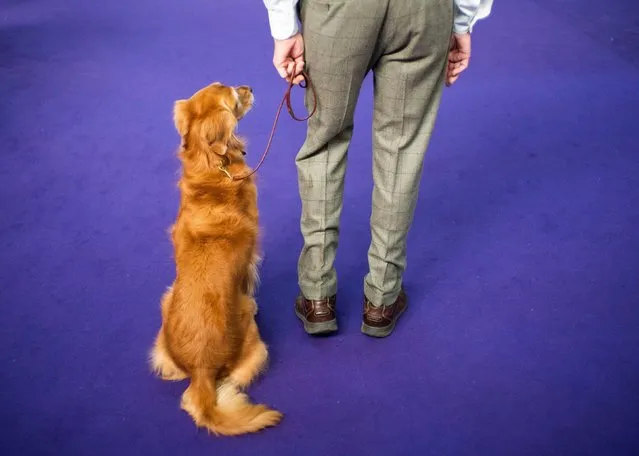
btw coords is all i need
(217, 131)
(181, 117)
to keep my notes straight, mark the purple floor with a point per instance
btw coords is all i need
(523, 335)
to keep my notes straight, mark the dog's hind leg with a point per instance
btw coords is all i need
(253, 359)
(162, 363)
(250, 366)
(252, 279)
(160, 359)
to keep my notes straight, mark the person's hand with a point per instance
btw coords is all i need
(288, 58)
(458, 57)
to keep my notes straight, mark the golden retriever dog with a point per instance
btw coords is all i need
(208, 332)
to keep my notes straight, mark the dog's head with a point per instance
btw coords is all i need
(208, 119)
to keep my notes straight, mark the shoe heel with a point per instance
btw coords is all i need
(377, 332)
(320, 328)
(314, 329)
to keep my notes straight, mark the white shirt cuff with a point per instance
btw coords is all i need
(283, 23)
(468, 12)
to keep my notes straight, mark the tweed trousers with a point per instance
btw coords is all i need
(405, 44)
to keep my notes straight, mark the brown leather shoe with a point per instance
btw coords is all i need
(380, 321)
(318, 316)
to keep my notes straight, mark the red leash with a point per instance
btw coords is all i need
(285, 99)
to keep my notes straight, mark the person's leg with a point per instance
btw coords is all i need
(408, 83)
(340, 39)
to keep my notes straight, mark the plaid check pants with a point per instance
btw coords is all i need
(405, 44)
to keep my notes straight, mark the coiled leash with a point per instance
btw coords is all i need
(285, 99)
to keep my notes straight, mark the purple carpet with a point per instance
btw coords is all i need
(523, 268)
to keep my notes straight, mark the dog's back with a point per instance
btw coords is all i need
(214, 244)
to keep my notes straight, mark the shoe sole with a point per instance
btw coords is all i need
(315, 329)
(384, 331)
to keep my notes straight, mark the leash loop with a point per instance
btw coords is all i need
(285, 99)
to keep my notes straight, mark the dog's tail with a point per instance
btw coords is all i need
(224, 409)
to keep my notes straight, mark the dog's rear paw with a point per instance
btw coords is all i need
(172, 376)
(164, 367)
(271, 418)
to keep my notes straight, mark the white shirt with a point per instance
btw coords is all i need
(283, 20)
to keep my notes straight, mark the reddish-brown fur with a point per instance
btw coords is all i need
(208, 330)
